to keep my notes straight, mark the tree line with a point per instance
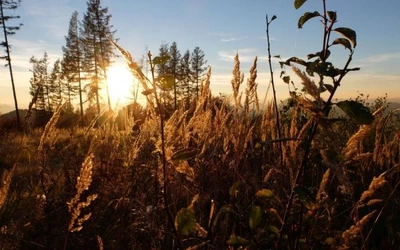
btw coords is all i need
(88, 53)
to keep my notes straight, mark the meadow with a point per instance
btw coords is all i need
(216, 173)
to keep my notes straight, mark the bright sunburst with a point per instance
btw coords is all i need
(120, 82)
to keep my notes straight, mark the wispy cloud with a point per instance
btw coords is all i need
(233, 39)
(49, 15)
(23, 50)
(227, 37)
(246, 55)
(265, 38)
(30, 47)
(381, 58)
(376, 79)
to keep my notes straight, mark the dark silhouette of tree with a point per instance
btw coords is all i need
(97, 35)
(173, 67)
(198, 67)
(56, 85)
(39, 84)
(184, 74)
(8, 31)
(72, 62)
(163, 76)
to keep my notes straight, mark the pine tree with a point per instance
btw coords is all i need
(97, 35)
(163, 54)
(198, 68)
(72, 62)
(9, 31)
(184, 74)
(39, 84)
(55, 85)
(173, 67)
(163, 76)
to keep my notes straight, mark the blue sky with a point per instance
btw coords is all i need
(220, 28)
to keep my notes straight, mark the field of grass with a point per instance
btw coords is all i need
(225, 183)
(217, 173)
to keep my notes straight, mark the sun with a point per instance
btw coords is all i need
(120, 83)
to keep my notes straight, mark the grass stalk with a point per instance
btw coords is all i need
(163, 156)
(278, 124)
(313, 130)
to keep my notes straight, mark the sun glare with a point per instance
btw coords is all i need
(120, 85)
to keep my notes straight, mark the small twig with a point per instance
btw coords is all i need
(278, 124)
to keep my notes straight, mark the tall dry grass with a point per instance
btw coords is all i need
(223, 151)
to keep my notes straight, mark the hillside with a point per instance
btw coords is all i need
(5, 108)
(12, 114)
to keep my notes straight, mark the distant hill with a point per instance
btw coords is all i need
(5, 108)
(12, 114)
(394, 105)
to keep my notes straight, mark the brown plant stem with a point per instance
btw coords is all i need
(314, 126)
(278, 124)
(163, 157)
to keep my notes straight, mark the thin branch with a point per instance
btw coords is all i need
(278, 124)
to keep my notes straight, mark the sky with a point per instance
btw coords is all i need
(221, 28)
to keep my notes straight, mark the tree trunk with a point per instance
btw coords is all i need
(10, 66)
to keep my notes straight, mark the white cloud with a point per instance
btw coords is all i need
(228, 39)
(265, 38)
(381, 58)
(246, 55)
(233, 39)
(23, 50)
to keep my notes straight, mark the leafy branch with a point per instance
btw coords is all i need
(323, 69)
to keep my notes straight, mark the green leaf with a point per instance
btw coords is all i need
(295, 60)
(286, 79)
(265, 193)
(357, 111)
(325, 69)
(255, 216)
(313, 67)
(237, 241)
(224, 209)
(161, 59)
(327, 54)
(305, 197)
(330, 241)
(329, 88)
(184, 154)
(185, 221)
(234, 190)
(277, 56)
(343, 41)
(311, 56)
(148, 92)
(273, 229)
(349, 34)
(332, 15)
(166, 82)
(273, 18)
(307, 16)
(299, 3)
